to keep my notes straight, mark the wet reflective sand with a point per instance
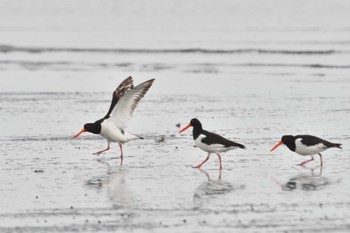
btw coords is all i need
(52, 183)
(284, 71)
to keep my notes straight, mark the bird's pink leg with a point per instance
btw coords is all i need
(220, 161)
(303, 163)
(321, 159)
(100, 152)
(219, 178)
(121, 154)
(199, 165)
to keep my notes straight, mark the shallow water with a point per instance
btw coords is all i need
(251, 86)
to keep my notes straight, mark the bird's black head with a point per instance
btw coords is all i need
(90, 127)
(286, 139)
(93, 127)
(197, 127)
(289, 141)
(195, 123)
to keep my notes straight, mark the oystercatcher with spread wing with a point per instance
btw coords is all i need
(112, 126)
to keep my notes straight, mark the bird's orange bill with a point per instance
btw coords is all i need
(186, 127)
(277, 145)
(80, 132)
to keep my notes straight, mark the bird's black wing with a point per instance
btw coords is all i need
(129, 98)
(123, 87)
(212, 138)
(310, 140)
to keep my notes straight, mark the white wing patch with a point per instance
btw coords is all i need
(302, 149)
(126, 105)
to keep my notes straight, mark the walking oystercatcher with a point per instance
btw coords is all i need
(306, 145)
(210, 142)
(112, 127)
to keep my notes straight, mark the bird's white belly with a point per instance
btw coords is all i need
(308, 150)
(212, 148)
(112, 133)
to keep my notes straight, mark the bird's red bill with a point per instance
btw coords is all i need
(277, 145)
(186, 127)
(80, 132)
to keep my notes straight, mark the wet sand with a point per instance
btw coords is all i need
(251, 83)
(53, 183)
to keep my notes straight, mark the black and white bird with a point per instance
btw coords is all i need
(306, 145)
(210, 142)
(112, 126)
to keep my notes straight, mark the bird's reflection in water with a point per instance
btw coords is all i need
(212, 188)
(114, 183)
(312, 181)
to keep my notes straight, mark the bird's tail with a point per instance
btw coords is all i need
(239, 145)
(338, 145)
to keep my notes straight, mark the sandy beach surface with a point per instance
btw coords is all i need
(285, 70)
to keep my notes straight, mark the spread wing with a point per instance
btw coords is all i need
(123, 87)
(125, 99)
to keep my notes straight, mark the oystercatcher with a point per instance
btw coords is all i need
(112, 126)
(306, 145)
(210, 142)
